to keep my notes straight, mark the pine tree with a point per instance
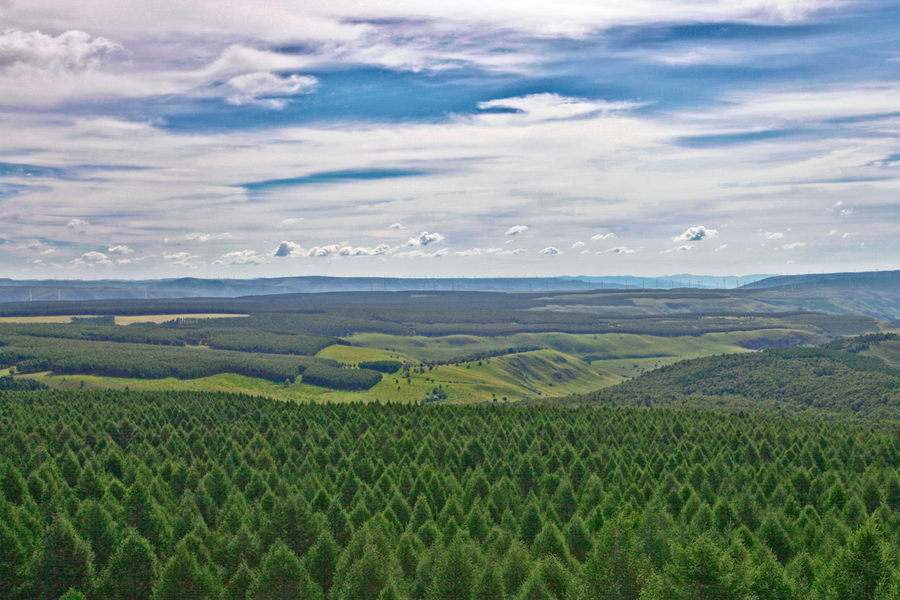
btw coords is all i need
(516, 568)
(183, 579)
(321, 561)
(12, 559)
(367, 565)
(95, 525)
(702, 569)
(66, 561)
(550, 542)
(454, 575)
(240, 582)
(283, 577)
(131, 571)
(578, 539)
(861, 571)
(617, 568)
(488, 585)
(12, 484)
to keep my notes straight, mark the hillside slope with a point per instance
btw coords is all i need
(812, 382)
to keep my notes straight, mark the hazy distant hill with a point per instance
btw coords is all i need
(873, 294)
(193, 287)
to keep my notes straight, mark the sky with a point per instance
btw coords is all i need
(448, 139)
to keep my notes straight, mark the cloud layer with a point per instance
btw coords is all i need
(144, 140)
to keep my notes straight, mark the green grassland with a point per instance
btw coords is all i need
(353, 355)
(514, 377)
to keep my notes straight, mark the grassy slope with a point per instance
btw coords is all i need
(625, 355)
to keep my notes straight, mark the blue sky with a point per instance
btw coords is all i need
(413, 138)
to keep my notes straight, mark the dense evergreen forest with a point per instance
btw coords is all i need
(190, 495)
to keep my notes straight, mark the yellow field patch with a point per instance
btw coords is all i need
(60, 319)
(353, 355)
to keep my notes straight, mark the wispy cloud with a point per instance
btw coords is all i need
(205, 237)
(241, 257)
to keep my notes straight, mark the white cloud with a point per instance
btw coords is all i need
(577, 245)
(120, 250)
(289, 249)
(268, 89)
(77, 224)
(71, 51)
(91, 259)
(364, 251)
(696, 234)
(502, 252)
(424, 239)
(289, 222)
(395, 226)
(184, 260)
(620, 250)
(686, 247)
(794, 245)
(470, 252)
(241, 257)
(773, 235)
(343, 249)
(517, 229)
(602, 236)
(551, 250)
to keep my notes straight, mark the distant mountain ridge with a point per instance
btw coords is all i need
(193, 287)
(874, 294)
